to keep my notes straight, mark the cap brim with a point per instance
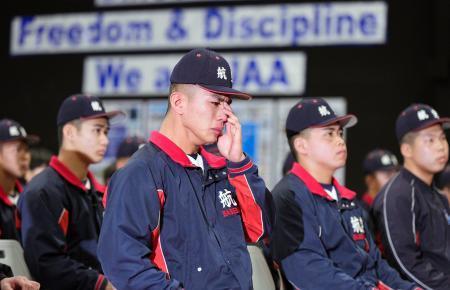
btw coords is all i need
(226, 91)
(29, 139)
(445, 122)
(109, 115)
(345, 121)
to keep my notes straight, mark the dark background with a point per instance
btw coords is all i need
(378, 81)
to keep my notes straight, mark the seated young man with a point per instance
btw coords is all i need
(61, 207)
(412, 216)
(319, 237)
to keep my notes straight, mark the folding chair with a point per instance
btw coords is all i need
(11, 254)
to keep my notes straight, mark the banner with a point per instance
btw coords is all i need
(350, 23)
(111, 3)
(149, 75)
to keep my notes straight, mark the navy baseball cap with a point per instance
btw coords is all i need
(83, 107)
(128, 146)
(314, 112)
(11, 130)
(209, 70)
(417, 117)
(380, 160)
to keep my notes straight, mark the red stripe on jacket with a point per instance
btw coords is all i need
(63, 221)
(250, 211)
(99, 282)
(157, 255)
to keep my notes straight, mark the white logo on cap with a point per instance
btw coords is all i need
(324, 111)
(96, 106)
(394, 160)
(23, 132)
(435, 114)
(14, 131)
(385, 159)
(221, 73)
(422, 115)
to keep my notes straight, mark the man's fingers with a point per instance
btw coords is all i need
(34, 285)
(6, 284)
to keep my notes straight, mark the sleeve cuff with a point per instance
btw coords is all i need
(239, 167)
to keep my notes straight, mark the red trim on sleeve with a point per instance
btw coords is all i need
(105, 197)
(99, 282)
(250, 211)
(382, 286)
(63, 221)
(241, 169)
(17, 218)
(157, 255)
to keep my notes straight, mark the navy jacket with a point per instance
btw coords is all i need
(414, 222)
(324, 244)
(9, 222)
(168, 225)
(61, 222)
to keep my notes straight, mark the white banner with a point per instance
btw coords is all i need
(335, 23)
(149, 75)
(101, 3)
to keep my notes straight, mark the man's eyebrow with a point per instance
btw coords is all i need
(432, 134)
(101, 125)
(222, 98)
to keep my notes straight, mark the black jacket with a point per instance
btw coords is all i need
(413, 219)
(9, 223)
(61, 222)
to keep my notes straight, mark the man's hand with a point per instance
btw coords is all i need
(19, 283)
(230, 143)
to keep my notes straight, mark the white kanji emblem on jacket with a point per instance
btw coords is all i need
(226, 199)
(357, 225)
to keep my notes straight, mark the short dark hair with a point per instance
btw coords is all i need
(408, 138)
(291, 146)
(304, 133)
(172, 88)
(77, 123)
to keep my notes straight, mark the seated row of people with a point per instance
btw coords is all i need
(178, 217)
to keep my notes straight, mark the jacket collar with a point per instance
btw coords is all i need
(70, 177)
(177, 154)
(4, 196)
(417, 181)
(315, 186)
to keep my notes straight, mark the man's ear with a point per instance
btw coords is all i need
(406, 150)
(301, 145)
(69, 132)
(178, 102)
